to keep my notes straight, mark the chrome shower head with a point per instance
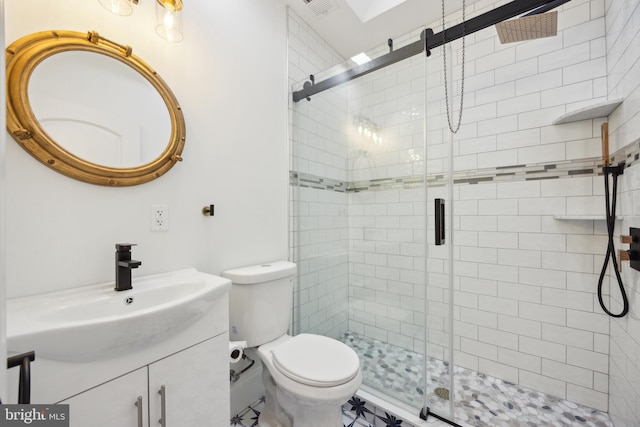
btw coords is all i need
(528, 27)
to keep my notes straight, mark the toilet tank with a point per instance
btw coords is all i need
(260, 301)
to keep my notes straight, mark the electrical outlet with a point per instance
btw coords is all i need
(159, 217)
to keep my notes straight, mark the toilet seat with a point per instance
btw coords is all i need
(316, 360)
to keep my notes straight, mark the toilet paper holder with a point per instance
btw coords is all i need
(236, 353)
(236, 350)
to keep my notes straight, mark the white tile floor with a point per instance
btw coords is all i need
(356, 413)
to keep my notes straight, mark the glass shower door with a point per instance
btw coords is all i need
(319, 234)
(387, 230)
(439, 286)
(358, 224)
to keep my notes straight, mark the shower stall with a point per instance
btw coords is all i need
(460, 267)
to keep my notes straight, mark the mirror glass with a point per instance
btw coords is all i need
(99, 109)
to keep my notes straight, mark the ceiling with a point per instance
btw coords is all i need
(348, 35)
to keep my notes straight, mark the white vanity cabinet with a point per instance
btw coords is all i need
(196, 386)
(112, 403)
(185, 389)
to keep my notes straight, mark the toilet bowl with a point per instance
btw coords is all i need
(312, 377)
(307, 377)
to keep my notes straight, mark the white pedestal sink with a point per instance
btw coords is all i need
(86, 338)
(159, 350)
(95, 322)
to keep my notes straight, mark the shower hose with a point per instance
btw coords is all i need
(610, 200)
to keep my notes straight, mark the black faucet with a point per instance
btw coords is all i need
(124, 264)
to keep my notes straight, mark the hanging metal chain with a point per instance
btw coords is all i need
(444, 55)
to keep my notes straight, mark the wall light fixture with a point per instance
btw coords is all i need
(168, 15)
(169, 19)
(119, 7)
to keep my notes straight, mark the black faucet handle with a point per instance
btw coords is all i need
(129, 263)
(124, 247)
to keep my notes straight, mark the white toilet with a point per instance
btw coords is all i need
(307, 377)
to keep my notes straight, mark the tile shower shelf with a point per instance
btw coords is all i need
(583, 217)
(601, 109)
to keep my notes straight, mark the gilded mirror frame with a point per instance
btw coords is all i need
(24, 55)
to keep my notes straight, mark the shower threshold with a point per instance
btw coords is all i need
(479, 400)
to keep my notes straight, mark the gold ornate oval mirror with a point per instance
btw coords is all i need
(87, 116)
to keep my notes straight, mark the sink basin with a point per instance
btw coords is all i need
(96, 322)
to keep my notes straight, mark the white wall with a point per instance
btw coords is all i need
(623, 70)
(3, 289)
(624, 363)
(623, 65)
(230, 80)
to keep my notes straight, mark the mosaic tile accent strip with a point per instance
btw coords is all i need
(588, 167)
(299, 179)
(480, 400)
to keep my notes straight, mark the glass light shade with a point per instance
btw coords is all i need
(173, 5)
(169, 20)
(119, 7)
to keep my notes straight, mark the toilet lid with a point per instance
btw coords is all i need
(316, 360)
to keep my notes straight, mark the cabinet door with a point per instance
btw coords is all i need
(196, 386)
(112, 404)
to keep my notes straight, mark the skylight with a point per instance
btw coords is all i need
(369, 9)
(360, 58)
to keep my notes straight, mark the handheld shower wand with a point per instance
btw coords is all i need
(610, 201)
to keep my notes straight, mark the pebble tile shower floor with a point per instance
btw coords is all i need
(480, 400)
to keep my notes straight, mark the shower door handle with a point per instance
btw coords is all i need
(439, 221)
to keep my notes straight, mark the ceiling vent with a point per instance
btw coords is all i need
(321, 7)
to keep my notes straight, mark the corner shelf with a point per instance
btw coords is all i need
(601, 109)
(584, 217)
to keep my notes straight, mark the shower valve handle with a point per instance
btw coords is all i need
(626, 239)
(622, 256)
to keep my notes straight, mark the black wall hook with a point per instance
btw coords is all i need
(208, 210)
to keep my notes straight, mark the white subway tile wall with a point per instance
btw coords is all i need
(622, 20)
(319, 234)
(524, 282)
